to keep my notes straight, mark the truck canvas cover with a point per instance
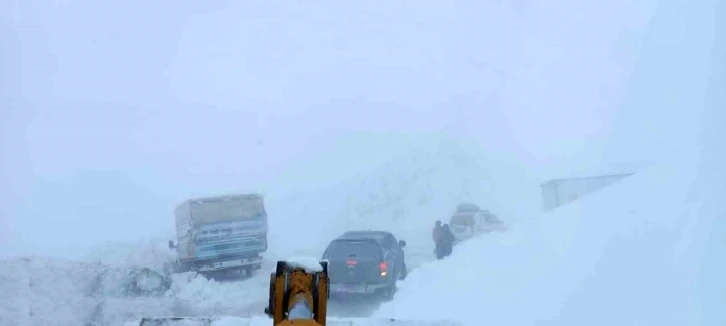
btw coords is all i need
(226, 209)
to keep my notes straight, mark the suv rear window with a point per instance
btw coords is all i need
(343, 249)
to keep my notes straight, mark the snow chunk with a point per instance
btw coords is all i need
(309, 264)
(230, 297)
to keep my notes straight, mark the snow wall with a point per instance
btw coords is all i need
(645, 251)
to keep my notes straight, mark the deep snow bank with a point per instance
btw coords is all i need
(59, 292)
(149, 253)
(108, 288)
(627, 255)
(219, 298)
(44, 291)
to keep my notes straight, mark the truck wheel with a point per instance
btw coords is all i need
(387, 293)
(402, 276)
(390, 291)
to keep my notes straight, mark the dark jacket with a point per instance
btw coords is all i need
(436, 234)
(447, 241)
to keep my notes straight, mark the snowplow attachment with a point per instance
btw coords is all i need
(298, 295)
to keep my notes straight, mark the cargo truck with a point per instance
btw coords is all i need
(558, 192)
(223, 233)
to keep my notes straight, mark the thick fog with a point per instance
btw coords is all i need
(113, 112)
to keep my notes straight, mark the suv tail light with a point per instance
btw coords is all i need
(384, 269)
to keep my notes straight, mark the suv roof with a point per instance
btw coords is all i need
(367, 247)
(378, 236)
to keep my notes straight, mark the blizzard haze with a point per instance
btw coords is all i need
(113, 112)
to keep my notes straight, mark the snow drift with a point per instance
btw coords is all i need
(61, 292)
(54, 291)
(645, 251)
(627, 255)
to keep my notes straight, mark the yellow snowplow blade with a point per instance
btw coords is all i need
(298, 296)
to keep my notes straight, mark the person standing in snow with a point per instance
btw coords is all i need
(436, 235)
(446, 241)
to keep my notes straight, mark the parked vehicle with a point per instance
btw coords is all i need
(469, 220)
(365, 262)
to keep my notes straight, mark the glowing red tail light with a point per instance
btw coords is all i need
(352, 262)
(384, 268)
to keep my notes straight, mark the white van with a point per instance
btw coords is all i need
(469, 223)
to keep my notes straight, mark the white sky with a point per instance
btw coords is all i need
(111, 112)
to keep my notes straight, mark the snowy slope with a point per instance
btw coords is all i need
(645, 251)
(150, 253)
(423, 182)
(598, 261)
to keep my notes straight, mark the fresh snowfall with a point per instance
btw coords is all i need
(646, 250)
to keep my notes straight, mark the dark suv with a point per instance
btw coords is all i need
(365, 262)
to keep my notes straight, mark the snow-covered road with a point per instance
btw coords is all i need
(61, 292)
